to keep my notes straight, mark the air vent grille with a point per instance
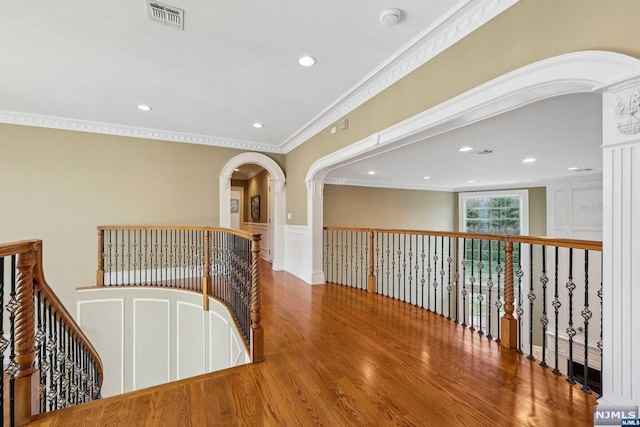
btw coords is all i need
(168, 15)
(483, 152)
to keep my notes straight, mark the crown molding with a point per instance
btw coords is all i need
(130, 131)
(374, 184)
(464, 18)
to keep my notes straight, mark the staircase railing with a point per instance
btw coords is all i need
(539, 296)
(48, 362)
(216, 262)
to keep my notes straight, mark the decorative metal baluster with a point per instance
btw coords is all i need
(342, 258)
(489, 289)
(422, 280)
(429, 273)
(519, 310)
(442, 273)
(472, 280)
(410, 269)
(117, 255)
(350, 266)
(122, 256)
(544, 320)
(403, 280)
(464, 283)
(12, 368)
(417, 271)
(498, 300)
(40, 351)
(449, 287)
(393, 266)
(556, 307)
(600, 341)
(570, 331)
(61, 367)
(586, 315)
(52, 395)
(435, 276)
(532, 297)
(457, 279)
(129, 257)
(4, 343)
(480, 295)
(110, 259)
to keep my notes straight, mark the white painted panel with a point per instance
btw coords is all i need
(107, 337)
(219, 342)
(587, 206)
(559, 212)
(190, 340)
(235, 351)
(587, 234)
(151, 342)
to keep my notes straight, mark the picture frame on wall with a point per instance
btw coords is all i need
(255, 207)
(235, 205)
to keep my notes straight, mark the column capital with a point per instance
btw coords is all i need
(621, 111)
(314, 188)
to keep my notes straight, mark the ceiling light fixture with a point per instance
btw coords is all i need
(426, 177)
(307, 61)
(573, 168)
(237, 169)
(529, 160)
(390, 17)
(471, 181)
(465, 149)
(143, 107)
(371, 173)
(258, 125)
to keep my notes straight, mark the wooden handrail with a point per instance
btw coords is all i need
(31, 282)
(240, 233)
(534, 240)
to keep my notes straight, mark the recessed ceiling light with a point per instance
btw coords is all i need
(465, 149)
(258, 125)
(307, 61)
(237, 169)
(529, 160)
(573, 168)
(471, 181)
(371, 173)
(143, 107)
(426, 177)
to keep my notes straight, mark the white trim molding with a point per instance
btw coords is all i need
(279, 199)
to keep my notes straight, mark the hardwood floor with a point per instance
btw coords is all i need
(335, 356)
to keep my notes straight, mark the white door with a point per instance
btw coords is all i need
(235, 209)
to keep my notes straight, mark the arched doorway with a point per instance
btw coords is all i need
(278, 199)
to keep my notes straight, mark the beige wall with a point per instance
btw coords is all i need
(258, 186)
(59, 185)
(348, 206)
(530, 31)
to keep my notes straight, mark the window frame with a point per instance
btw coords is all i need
(523, 194)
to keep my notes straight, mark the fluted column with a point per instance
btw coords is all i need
(621, 243)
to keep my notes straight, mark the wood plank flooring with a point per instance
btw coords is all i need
(336, 356)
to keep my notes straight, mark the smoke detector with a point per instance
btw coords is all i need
(390, 17)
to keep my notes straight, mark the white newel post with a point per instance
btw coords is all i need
(621, 243)
(314, 222)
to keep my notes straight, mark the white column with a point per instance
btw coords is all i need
(314, 222)
(279, 207)
(621, 243)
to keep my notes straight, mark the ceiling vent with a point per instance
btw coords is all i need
(168, 15)
(483, 152)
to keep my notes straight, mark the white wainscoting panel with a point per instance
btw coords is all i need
(151, 342)
(263, 230)
(219, 342)
(298, 256)
(149, 336)
(190, 340)
(107, 338)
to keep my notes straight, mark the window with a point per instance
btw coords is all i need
(495, 212)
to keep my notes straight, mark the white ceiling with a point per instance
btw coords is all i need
(85, 65)
(559, 133)
(234, 64)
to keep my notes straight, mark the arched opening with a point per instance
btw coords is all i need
(277, 199)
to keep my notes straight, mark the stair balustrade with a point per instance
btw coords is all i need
(48, 362)
(540, 296)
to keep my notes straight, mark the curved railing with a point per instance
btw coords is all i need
(541, 296)
(217, 262)
(51, 364)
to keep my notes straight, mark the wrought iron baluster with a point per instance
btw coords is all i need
(435, 274)
(519, 310)
(571, 332)
(480, 296)
(410, 269)
(556, 306)
(110, 265)
(12, 368)
(422, 280)
(600, 341)
(428, 273)
(489, 290)
(442, 273)
(544, 320)
(586, 315)
(498, 300)
(472, 280)
(4, 343)
(464, 283)
(449, 287)
(122, 256)
(532, 297)
(403, 281)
